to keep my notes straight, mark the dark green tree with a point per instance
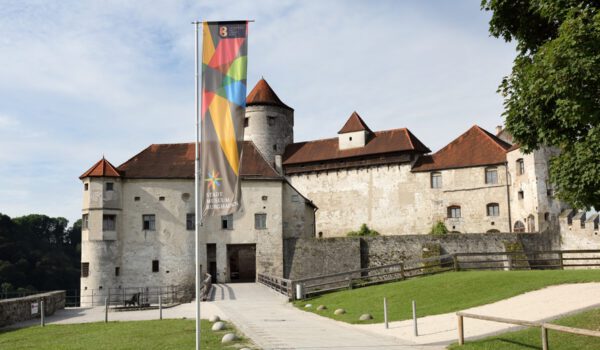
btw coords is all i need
(552, 96)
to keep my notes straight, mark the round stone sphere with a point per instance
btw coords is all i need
(218, 326)
(365, 317)
(308, 305)
(339, 312)
(228, 338)
(214, 318)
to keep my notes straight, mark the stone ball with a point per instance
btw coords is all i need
(214, 318)
(339, 312)
(308, 305)
(365, 317)
(218, 326)
(321, 307)
(228, 338)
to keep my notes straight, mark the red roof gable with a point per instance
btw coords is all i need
(177, 161)
(262, 94)
(381, 142)
(354, 123)
(476, 147)
(102, 168)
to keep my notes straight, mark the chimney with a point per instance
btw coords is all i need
(499, 129)
(278, 164)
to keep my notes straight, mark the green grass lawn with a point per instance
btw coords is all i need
(439, 294)
(165, 334)
(530, 339)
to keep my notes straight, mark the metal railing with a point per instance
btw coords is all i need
(544, 327)
(518, 260)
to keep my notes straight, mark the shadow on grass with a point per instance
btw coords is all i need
(510, 341)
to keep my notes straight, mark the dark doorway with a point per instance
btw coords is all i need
(242, 262)
(211, 255)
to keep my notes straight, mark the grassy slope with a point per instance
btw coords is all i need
(531, 338)
(165, 334)
(443, 293)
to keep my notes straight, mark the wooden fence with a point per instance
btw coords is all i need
(544, 327)
(520, 260)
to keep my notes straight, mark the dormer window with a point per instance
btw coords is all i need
(350, 138)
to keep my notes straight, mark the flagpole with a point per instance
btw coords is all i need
(198, 211)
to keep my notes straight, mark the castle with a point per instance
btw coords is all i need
(138, 218)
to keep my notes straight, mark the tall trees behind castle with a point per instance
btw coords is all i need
(38, 253)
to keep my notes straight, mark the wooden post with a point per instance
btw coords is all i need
(105, 310)
(385, 316)
(560, 261)
(461, 331)
(544, 338)
(402, 270)
(509, 261)
(42, 313)
(455, 261)
(350, 283)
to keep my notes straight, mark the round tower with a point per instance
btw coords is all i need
(269, 122)
(101, 222)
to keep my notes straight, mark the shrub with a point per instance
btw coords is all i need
(439, 228)
(363, 232)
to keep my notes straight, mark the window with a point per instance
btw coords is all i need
(149, 222)
(109, 222)
(117, 271)
(519, 227)
(350, 138)
(85, 269)
(271, 121)
(274, 147)
(260, 221)
(436, 180)
(246, 122)
(109, 186)
(190, 221)
(521, 194)
(546, 216)
(454, 212)
(154, 265)
(295, 198)
(493, 209)
(84, 221)
(136, 198)
(161, 198)
(86, 187)
(227, 222)
(520, 166)
(491, 175)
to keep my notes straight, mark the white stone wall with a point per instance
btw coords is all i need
(270, 138)
(535, 184)
(298, 215)
(352, 139)
(393, 200)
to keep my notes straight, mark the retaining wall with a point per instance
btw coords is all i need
(20, 309)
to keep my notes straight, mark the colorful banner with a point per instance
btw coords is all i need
(224, 64)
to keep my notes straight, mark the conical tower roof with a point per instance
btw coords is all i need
(354, 123)
(263, 95)
(102, 168)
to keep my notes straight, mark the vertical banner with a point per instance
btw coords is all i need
(224, 64)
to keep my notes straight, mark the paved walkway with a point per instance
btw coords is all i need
(541, 305)
(272, 323)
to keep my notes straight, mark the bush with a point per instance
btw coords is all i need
(439, 228)
(363, 232)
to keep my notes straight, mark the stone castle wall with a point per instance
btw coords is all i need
(313, 257)
(19, 309)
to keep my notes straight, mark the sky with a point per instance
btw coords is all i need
(84, 79)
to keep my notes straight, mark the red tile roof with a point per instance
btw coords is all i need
(354, 123)
(262, 94)
(177, 161)
(102, 168)
(476, 147)
(381, 142)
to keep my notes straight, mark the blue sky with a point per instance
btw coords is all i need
(79, 79)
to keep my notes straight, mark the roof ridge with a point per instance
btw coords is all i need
(408, 137)
(494, 139)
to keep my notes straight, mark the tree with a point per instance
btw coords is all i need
(552, 96)
(438, 229)
(364, 231)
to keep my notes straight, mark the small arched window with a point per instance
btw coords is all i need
(520, 166)
(493, 209)
(491, 175)
(519, 227)
(454, 212)
(436, 180)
